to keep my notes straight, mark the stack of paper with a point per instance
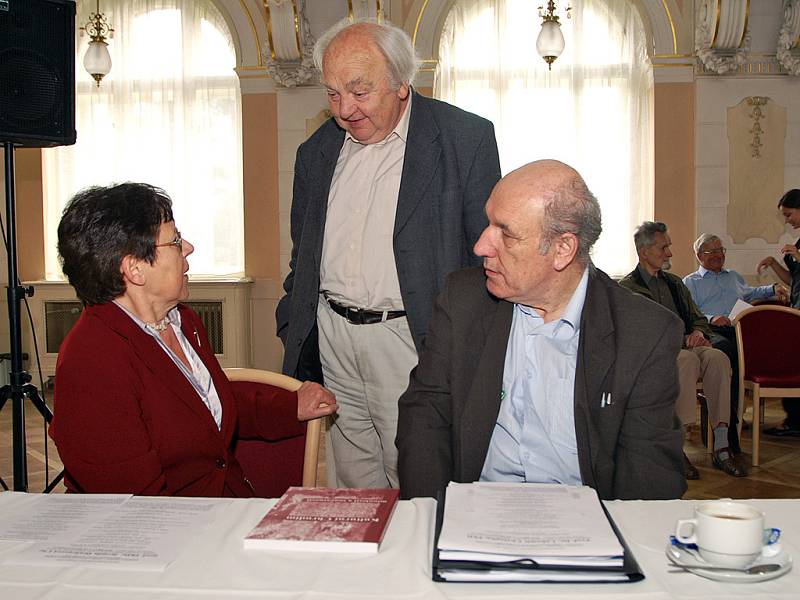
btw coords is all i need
(527, 532)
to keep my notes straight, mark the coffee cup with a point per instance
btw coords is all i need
(727, 534)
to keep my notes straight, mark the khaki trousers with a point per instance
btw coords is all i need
(713, 368)
(367, 368)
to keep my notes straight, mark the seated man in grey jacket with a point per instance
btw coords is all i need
(535, 367)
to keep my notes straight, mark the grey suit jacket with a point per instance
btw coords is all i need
(451, 165)
(628, 347)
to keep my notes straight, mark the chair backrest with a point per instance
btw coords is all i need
(767, 337)
(274, 466)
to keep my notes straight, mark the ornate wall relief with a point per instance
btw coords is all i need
(756, 140)
(288, 55)
(788, 49)
(722, 38)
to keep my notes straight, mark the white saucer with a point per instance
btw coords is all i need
(683, 558)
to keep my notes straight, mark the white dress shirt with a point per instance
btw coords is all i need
(358, 264)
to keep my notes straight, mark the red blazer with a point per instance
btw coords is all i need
(126, 420)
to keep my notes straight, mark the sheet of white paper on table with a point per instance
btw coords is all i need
(142, 533)
(53, 517)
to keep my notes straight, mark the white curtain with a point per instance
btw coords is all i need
(594, 110)
(168, 114)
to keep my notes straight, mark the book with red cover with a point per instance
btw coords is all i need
(325, 520)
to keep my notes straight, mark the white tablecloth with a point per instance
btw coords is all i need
(216, 566)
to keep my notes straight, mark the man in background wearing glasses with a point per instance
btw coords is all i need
(697, 360)
(715, 290)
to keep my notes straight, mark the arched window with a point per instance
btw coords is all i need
(594, 110)
(169, 114)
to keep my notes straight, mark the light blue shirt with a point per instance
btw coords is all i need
(716, 293)
(534, 437)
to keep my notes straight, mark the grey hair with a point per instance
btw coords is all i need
(572, 208)
(393, 42)
(704, 239)
(645, 234)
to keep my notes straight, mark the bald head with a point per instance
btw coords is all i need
(543, 222)
(567, 204)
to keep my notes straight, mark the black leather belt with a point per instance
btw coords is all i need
(362, 316)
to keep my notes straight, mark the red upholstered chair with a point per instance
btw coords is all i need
(768, 337)
(274, 466)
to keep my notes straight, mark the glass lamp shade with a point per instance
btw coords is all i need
(550, 42)
(97, 60)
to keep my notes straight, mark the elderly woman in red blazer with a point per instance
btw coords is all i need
(141, 403)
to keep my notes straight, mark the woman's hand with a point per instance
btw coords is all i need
(764, 263)
(314, 401)
(791, 250)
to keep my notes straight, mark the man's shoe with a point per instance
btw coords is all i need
(723, 460)
(783, 430)
(689, 470)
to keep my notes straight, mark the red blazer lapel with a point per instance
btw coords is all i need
(153, 357)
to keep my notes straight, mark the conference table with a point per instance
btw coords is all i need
(215, 565)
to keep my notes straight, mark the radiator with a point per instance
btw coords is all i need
(60, 316)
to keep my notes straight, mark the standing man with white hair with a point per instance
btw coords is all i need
(388, 199)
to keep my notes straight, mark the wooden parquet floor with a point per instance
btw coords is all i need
(776, 477)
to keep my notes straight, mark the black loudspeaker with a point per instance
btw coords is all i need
(37, 72)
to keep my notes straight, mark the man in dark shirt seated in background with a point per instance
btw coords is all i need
(538, 367)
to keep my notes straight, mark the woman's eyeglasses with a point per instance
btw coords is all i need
(177, 242)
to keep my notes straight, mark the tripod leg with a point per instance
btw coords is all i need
(33, 395)
(5, 394)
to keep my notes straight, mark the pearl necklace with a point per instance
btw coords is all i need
(161, 325)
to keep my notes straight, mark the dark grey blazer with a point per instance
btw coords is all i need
(451, 165)
(628, 347)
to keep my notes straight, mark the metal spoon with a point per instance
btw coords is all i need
(754, 570)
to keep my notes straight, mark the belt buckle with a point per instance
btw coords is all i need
(353, 316)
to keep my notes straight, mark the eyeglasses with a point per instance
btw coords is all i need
(714, 251)
(177, 242)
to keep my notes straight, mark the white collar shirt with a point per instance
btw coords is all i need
(358, 263)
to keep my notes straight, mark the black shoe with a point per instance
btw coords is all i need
(689, 470)
(723, 460)
(782, 430)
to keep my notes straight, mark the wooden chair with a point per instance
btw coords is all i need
(272, 467)
(767, 337)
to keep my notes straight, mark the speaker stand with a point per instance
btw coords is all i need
(19, 387)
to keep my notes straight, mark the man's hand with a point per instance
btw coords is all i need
(791, 250)
(720, 320)
(314, 401)
(781, 293)
(696, 339)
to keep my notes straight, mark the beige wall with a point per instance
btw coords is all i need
(260, 161)
(30, 218)
(674, 169)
